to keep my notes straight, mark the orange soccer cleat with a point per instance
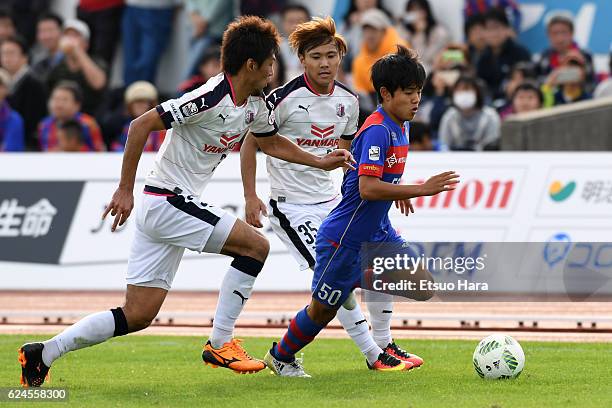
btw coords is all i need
(231, 356)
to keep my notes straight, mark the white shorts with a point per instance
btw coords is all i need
(297, 225)
(166, 224)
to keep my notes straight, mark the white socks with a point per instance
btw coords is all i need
(355, 324)
(93, 329)
(381, 310)
(235, 290)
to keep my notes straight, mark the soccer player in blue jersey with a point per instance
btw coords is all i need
(380, 148)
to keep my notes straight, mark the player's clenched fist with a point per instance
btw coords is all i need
(337, 158)
(120, 207)
(441, 182)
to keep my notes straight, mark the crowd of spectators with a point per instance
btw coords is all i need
(55, 92)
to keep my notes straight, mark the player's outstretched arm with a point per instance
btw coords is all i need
(372, 188)
(248, 169)
(122, 202)
(282, 148)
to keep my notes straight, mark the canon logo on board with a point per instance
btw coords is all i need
(472, 194)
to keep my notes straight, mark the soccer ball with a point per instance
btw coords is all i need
(498, 356)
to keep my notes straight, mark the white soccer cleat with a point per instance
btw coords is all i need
(282, 369)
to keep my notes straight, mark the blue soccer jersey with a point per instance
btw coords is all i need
(380, 148)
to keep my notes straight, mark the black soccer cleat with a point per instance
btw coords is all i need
(33, 370)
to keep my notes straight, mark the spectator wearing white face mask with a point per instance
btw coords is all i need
(469, 124)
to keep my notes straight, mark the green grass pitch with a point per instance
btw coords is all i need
(168, 371)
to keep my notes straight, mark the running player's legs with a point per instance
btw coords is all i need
(337, 272)
(380, 305)
(249, 249)
(296, 225)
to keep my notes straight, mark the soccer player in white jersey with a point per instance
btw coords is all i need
(318, 113)
(204, 124)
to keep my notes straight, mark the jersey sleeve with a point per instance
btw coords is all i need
(187, 109)
(372, 153)
(265, 120)
(353, 118)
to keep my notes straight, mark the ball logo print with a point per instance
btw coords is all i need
(558, 192)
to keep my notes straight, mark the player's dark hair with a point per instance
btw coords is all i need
(401, 70)
(19, 42)
(474, 83)
(248, 37)
(316, 32)
(73, 129)
(71, 87)
(53, 17)
(529, 86)
(498, 15)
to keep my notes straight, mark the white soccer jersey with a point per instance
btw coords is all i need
(315, 123)
(204, 125)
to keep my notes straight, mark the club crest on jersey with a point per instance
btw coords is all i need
(340, 111)
(321, 131)
(189, 109)
(374, 153)
(249, 117)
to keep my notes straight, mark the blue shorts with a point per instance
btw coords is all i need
(338, 269)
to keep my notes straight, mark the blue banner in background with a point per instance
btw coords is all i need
(592, 21)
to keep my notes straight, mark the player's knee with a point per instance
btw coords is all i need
(258, 248)
(351, 302)
(320, 313)
(138, 319)
(425, 294)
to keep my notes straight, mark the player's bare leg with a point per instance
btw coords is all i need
(249, 249)
(141, 306)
